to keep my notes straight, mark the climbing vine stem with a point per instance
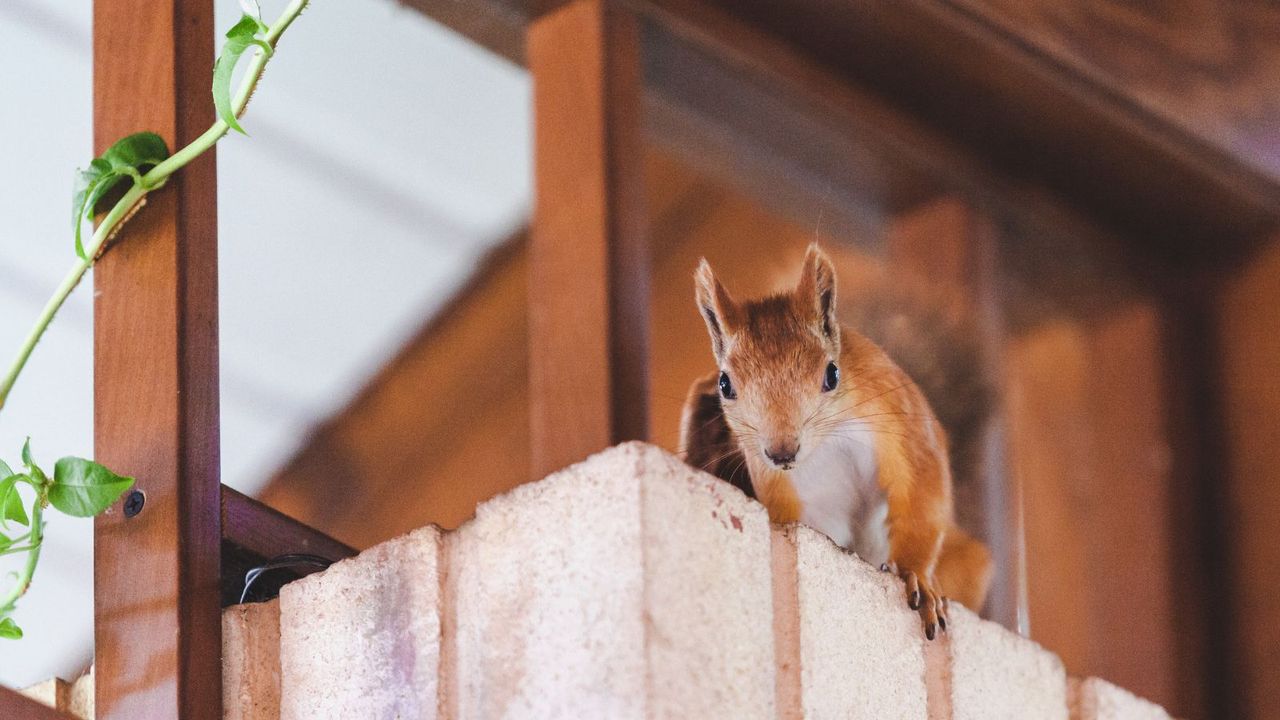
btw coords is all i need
(80, 487)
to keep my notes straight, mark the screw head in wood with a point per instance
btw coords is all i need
(133, 503)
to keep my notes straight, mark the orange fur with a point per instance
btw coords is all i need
(775, 352)
(778, 496)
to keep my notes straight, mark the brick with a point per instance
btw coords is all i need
(1095, 699)
(861, 648)
(251, 661)
(362, 639)
(627, 586)
(996, 674)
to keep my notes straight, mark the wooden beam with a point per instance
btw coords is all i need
(1204, 66)
(589, 266)
(760, 115)
(498, 25)
(1176, 187)
(254, 534)
(157, 615)
(16, 706)
(265, 532)
(1039, 120)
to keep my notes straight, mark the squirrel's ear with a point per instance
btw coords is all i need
(718, 309)
(817, 290)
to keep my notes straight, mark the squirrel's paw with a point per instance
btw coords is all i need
(923, 597)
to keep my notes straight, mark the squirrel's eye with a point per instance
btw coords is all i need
(829, 381)
(726, 387)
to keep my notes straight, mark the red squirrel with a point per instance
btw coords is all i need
(818, 423)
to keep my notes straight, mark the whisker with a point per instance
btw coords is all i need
(886, 392)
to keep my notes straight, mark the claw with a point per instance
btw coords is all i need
(924, 598)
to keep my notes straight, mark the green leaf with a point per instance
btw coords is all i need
(239, 38)
(83, 488)
(5, 542)
(35, 475)
(89, 184)
(4, 470)
(125, 159)
(133, 152)
(9, 629)
(88, 200)
(11, 502)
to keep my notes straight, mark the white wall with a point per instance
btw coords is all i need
(386, 155)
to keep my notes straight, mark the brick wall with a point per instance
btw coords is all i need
(630, 586)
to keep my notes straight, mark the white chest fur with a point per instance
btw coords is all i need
(840, 496)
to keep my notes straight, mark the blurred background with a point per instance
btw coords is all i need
(1091, 188)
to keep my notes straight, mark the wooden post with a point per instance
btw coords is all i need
(1247, 484)
(589, 265)
(157, 621)
(1088, 443)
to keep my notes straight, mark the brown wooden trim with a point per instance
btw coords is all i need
(156, 575)
(265, 532)
(254, 534)
(589, 262)
(1241, 352)
(16, 706)
(1197, 518)
(498, 25)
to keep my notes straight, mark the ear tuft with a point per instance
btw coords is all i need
(817, 290)
(717, 308)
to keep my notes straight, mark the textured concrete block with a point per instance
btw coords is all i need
(996, 674)
(861, 649)
(82, 698)
(362, 639)
(627, 586)
(251, 661)
(1095, 699)
(74, 698)
(55, 692)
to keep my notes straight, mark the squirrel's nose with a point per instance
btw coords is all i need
(783, 454)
